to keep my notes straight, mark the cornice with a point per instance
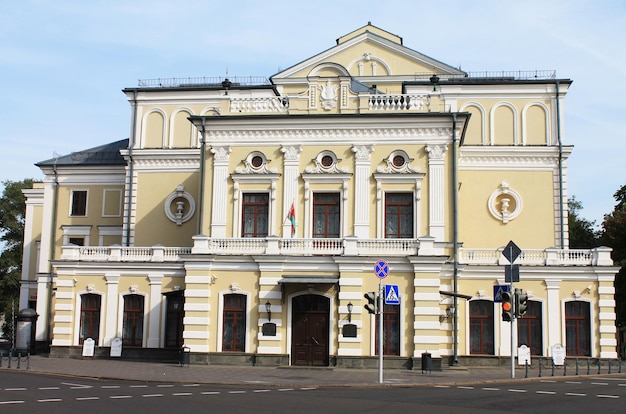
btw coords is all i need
(510, 157)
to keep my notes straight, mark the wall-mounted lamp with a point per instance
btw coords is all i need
(268, 309)
(449, 313)
(434, 80)
(350, 305)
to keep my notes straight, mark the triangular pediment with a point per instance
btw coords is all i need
(368, 54)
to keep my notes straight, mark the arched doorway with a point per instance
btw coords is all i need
(309, 330)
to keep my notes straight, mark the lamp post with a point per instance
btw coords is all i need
(350, 312)
(268, 309)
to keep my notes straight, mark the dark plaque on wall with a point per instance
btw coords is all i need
(349, 330)
(269, 329)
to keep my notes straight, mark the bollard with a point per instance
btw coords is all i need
(565, 367)
(28, 361)
(540, 366)
(526, 369)
(576, 366)
(553, 368)
(609, 366)
(588, 365)
(19, 359)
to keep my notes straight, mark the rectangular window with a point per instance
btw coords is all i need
(79, 203)
(132, 325)
(399, 215)
(234, 326)
(77, 241)
(89, 317)
(326, 215)
(255, 217)
(578, 328)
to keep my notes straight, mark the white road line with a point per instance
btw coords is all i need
(515, 390)
(546, 392)
(491, 389)
(87, 398)
(549, 381)
(110, 387)
(308, 388)
(573, 382)
(138, 386)
(465, 388)
(262, 391)
(210, 393)
(165, 385)
(599, 383)
(607, 396)
(236, 392)
(621, 385)
(49, 388)
(285, 389)
(76, 385)
(191, 385)
(119, 397)
(182, 394)
(12, 402)
(152, 395)
(50, 400)
(575, 394)
(15, 389)
(442, 386)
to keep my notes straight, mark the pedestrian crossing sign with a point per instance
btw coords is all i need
(392, 295)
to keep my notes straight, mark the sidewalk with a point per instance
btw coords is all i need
(238, 375)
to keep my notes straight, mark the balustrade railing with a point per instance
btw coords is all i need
(350, 246)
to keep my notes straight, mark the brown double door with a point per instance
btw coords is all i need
(310, 325)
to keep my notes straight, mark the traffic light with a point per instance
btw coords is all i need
(371, 302)
(521, 302)
(508, 302)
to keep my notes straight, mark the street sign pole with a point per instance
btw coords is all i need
(380, 331)
(513, 326)
(511, 252)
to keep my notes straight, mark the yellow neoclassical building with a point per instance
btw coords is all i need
(246, 218)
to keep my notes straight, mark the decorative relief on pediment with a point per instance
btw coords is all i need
(398, 162)
(326, 162)
(255, 163)
(328, 97)
(505, 203)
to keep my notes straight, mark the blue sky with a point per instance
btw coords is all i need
(63, 63)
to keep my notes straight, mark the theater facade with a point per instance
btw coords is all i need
(244, 219)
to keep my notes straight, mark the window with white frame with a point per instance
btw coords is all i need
(78, 203)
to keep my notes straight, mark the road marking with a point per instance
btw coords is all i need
(191, 385)
(50, 400)
(308, 388)
(573, 382)
(152, 395)
(76, 385)
(138, 386)
(442, 386)
(182, 394)
(515, 390)
(575, 394)
(49, 388)
(546, 392)
(549, 381)
(165, 385)
(599, 383)
(262, 391)
(210, 393)
(119, 397)
(491, 389)
(236, 392)
(87, 398)
(607, 396)
(110, 387)
(284, 389)
(12, 402)
(465, 387)
(15, 389)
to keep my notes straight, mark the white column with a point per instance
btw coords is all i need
(110, 329)
(154, 314)
(554, 314)
(362, 161)
(436, 159)
(220, 190)
(290, 191)
(43, 310)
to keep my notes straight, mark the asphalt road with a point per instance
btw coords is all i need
(29, 392)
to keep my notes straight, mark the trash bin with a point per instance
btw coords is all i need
(184, 356)
(427, 362)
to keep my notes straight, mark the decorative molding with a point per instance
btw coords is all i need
(292, 152)
(363, 152)
(255, 157)
(175, 201)
(436, 152)
(298, 135)
(499, 203)
(394, 168)
(221, 153)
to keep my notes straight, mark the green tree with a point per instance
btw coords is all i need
(614, 236)
(12, 211)
(583, 234)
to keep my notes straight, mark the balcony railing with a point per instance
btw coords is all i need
(349, 246)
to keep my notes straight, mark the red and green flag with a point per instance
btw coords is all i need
(291, 216)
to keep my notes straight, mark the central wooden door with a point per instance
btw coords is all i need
(310, 325)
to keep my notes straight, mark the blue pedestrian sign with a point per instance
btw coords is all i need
(381, 269)
(497, 292)
(392, 295)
